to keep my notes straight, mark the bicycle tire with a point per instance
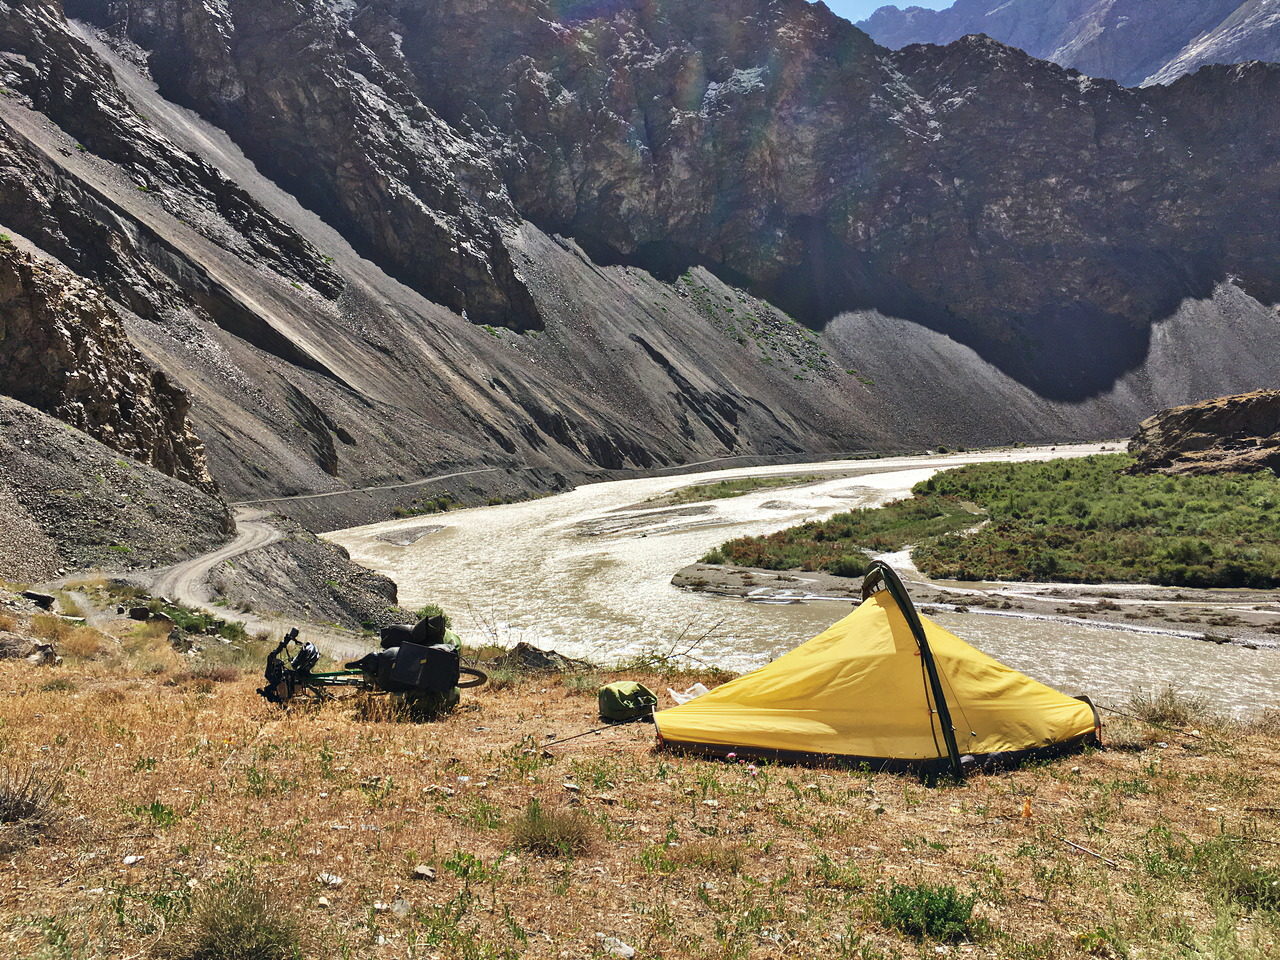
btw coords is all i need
(479, 677)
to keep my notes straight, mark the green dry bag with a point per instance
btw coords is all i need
(626, 700)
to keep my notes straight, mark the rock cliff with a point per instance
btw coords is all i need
(1132, 41)
(65, 352)
(1239, 434)
(385, 240)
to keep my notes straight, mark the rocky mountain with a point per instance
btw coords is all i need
(67, 354)
(1132, 41)
(1239, 434)
(531, 241)
(69, 502)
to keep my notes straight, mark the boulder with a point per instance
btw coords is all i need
(1236, 434)
(38, 652)
(526, 657)
(42, 600)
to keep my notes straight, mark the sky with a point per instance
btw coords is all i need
(856, 10)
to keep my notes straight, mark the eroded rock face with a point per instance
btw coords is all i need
(317, 215)
(1239, 434)
(1132, 41)
(1023, 210)
(64, 351)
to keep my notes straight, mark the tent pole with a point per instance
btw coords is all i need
(886, 574)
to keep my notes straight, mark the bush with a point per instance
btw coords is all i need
(82, 642)
(554, 833)
(51, 627)
(1167, 707)
(708, 856)
(434, 610)
(27, 805)
(925, 911)
(850, 566)
(235, 919)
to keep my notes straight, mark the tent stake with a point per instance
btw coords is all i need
(1076, 846)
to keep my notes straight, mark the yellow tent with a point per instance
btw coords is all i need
(883, 686)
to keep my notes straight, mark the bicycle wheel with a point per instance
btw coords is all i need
(477, 677)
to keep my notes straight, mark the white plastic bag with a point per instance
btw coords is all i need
(679, 697)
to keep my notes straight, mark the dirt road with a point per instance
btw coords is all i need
(188, 582)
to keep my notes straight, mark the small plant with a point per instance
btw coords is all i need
(161, 814)
(850, 565)
(924, 911)
(27, 805)
(1167, 707)
(235, 919)
(553, 833)
(434, 610)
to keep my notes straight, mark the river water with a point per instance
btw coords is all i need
(588, 573)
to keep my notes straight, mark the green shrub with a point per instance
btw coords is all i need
(924, 911)
(1080, 520)
(555, 833)
(434, 610)
(237, 918)
(850, 566)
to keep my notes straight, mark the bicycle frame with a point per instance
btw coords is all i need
(286, 678)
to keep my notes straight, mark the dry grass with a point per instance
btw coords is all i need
(1167, 707)
(236, 918)
(28, 808)
(83, 642)
(552, 832)
(8, 624)
(51, 627)
(687, 858)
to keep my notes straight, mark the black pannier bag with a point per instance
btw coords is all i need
(397, 634)
(413, 668)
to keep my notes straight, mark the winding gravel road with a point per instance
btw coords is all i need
(188, 582)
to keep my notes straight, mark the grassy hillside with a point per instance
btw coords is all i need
(1083, 521)
(151, 809)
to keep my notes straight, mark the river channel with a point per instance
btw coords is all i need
(588, 573)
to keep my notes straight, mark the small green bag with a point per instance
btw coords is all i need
(626, 700)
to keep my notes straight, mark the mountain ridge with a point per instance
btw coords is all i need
(644, 199)
(1135, 42)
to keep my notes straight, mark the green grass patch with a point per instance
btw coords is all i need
(724, 489)
(927, 912)
(1074, 521)
(839, 544)
(1087, 521)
